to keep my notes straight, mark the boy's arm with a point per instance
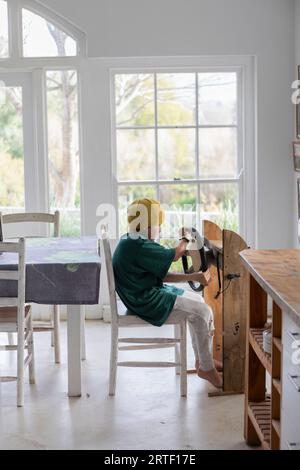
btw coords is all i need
(181, 249)
(203, 278)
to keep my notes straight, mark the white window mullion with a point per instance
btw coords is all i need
(241, 153)
(41, 138)
(14, 29)
(198, 212)
(156, 137)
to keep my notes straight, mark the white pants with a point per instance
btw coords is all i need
(201, 324)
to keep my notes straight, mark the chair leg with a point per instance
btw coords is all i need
(56, 333)
(83, 341)
(177, 349)
(113, 360)
(31, 366)
(11, 340)
(20, 366)
(183, 360)
(52, 332)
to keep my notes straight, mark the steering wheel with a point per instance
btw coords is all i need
(197, 253)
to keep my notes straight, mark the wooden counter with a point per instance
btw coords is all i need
(273, 419)
(278, 273)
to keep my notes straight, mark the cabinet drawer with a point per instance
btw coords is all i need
(290, 435)
(291, 337)
(291, 389)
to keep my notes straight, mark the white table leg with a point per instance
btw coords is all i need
(74, 350)
(83, 344)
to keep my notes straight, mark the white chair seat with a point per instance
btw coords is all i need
(130, 319)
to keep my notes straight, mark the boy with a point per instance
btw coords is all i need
(141, 267)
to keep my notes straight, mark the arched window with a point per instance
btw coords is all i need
(41, 38)
(28, 29)
(3, 29)
(39, 111)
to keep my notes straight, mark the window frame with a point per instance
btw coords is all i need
(243, 179)
(15, 31)
(37, 67)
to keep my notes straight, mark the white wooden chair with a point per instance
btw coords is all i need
(120, 319)
(16, 317)
(54, 324)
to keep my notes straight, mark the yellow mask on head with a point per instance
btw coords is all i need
(144, 213)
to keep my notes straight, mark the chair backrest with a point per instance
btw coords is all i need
(16, 275)
(34, 217)
(110, 275)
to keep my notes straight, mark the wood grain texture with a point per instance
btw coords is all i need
(278, 273)
(235, 302)
(211, 231)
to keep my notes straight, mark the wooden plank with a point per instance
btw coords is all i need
(9, 275)
(262, 425)
(212, 231)
(277, 385)
(276, 375)
(27, 217)
(255, 373)
(264, 358)
(235, 305)
(276, 426)
(269, 268)
(258, 305)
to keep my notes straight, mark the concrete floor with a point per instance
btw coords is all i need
(146, 413)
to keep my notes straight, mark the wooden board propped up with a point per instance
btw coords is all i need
(230, 307)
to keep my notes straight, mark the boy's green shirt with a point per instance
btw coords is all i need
(140, 265)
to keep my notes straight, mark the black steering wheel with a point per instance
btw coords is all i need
(198, 255)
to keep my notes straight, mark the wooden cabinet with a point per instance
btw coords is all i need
(272, 418)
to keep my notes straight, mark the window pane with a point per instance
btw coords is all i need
(176, 153)
(3, 29)
(179, 202)
(136, 154)
(11, 149)
(217, 98)
(218, 152)
(219, 203)
(63, 148)
(43, 39)
(128, 194)
(176, 95)
(134, 99)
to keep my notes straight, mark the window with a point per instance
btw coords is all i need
(3, 29)
(177, 140)
(63, 148)
(11, 149)
(39, 112)
(42, 39)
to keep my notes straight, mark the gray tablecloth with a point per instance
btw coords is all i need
(59, 271)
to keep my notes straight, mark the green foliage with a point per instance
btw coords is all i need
(11, 130)
(70, 223)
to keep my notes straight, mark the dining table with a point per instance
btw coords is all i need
(60, 271)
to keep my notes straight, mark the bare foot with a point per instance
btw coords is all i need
(218, 365)
(212, 376)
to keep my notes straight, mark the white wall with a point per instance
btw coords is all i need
(264, 28)
(297, 62)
